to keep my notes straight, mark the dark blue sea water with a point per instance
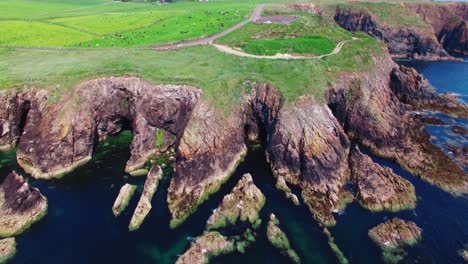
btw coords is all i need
(80, 226)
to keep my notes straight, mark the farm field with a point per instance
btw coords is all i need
(96, 23)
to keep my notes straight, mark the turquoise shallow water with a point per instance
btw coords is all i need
(80, 226)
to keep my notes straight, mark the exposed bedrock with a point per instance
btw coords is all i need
(306, 146)
(20, 205)
(402, 42)
(372, 114)
(413, 89)
(243, 203)
(392, 236)
(122, 200)
(206, 247)
(210, 148)
(378, 188)
(449, 23)
(59, 137)
(7, 249)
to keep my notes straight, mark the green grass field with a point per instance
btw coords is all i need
(94, 32)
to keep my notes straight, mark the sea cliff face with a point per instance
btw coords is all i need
(307, 141)
(445, 30)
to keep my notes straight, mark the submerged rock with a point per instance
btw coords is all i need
(125, 194)
(20, 205)
(243, 203)
(211, 147)
(334, 247)
(205, 247)
(464, 253)
(378, 188)
(144, 204)
(279, 240)
(393, 235)
(7, 249)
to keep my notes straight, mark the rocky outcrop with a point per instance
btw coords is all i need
(122, 200)
(306, 146)
(144, 204)
(279, 240)
(7, 249)
(413, 89)
(20, 205)
(393, 235)
(209, 150)
(59, 137)
(402, 41)
(449, 23)
(205, 247)
(378, 188)
(243, 203)
(372, 114)
(464, 252)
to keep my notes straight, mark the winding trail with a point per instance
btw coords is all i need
(278, 56)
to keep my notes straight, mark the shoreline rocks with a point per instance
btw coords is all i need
(243, 203)
(393, 235)
(205, 247)
(7, 249)
(211, 147)
(279, 240)
(144, 204)
(378, 188)
(20, 205)
(122, 200)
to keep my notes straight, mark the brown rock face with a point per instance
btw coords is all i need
(209, 150)
(306, 146)
(449, 23)
(372, 114)
(378, 188)
(411, 88)
(59, 137)
(205, 247)
(395, 233)
(402, 42)
(20, 205)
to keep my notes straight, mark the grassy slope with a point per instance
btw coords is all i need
(221, 76)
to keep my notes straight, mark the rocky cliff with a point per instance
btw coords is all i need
(445, 29)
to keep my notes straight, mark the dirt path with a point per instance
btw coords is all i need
(209, 40)
(278, 56)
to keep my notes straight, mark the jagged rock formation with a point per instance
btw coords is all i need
(413, 89)
(205, 247)
(393, 235)
(449, 23)
(378, 188)
(59, 137)
(20, 205)
(371, 113)
(243, 203)
(122, 200)
(7, 249)
(283, 186)
(209, 150)
(144, 204)
(306, 146)
(279, 240)
(446, 29)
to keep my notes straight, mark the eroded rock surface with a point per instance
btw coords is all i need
(210, 148)
(378, 188)
(122, 200)
(205, 247)
(243, 203)
(7, 249)
(306, 146)
(59, 137)
(395, 233)
(144, 204)
(20, 205)
(279, 240)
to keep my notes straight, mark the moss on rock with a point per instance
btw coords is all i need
(279, 240)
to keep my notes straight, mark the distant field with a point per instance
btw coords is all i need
(103, 23)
